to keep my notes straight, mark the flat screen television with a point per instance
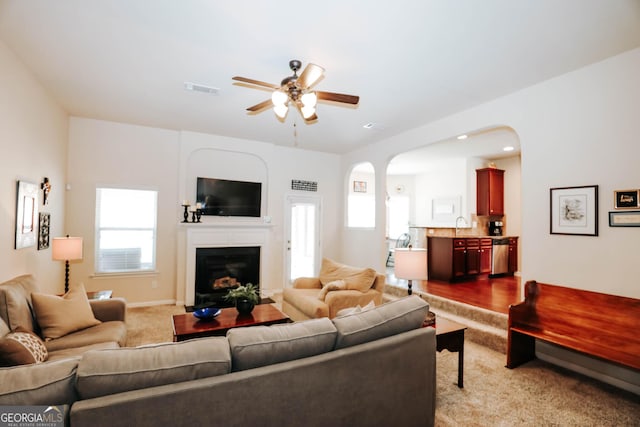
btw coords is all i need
(221, 197)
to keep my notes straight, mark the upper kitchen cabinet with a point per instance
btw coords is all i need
(490, 192)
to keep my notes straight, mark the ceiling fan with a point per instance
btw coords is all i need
(296, 91)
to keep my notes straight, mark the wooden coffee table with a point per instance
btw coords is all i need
(187, 326)
(450, 336)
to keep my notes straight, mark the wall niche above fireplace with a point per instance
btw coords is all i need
(219, 269)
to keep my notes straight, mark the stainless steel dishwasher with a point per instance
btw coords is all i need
(500, 256)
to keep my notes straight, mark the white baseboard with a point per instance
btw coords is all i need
(617, 376)
(152, 303)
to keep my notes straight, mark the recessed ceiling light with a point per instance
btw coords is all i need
(462, 137)
(374, 126)
(508, 148)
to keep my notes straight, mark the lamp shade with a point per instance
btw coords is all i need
(410, 263)
(66, 248)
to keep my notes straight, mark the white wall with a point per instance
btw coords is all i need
(275, 167)
(577, 129)
(33, 144)
(108, 154)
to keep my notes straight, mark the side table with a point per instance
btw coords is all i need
(450, 336)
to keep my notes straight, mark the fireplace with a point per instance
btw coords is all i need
(233, 238)
(222, 268)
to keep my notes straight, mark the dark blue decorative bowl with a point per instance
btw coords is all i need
(206, 313)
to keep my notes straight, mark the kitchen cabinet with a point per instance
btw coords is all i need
(513, 254)
(455, 258)
(490, 192)
(486, 249)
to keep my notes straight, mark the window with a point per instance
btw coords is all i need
(125, 230)
(397, 216)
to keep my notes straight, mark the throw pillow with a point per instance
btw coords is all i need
(356, 309)
(59, 316)
(22, 348)
(360, 279)
(336, 285)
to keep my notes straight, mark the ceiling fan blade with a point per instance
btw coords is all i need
(310, 75)
(261, 106)
(338, 97)
(255, 82)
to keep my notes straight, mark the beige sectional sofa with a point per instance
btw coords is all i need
(371, 368)
(17, 313)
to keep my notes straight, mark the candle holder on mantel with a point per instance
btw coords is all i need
(186, 212)
(193, 215)
(198, 214)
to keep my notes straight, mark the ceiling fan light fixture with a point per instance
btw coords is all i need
(279, 98)
(308, 111)
(281, 110)
(309, 99)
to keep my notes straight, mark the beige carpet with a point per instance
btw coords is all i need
(535, 394)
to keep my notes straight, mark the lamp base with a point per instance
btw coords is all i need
(409, 290)
(66, 276)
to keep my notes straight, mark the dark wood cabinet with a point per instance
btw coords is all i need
(456, 258)
(486, 249)
(490, 192)
(473, 257)
(513, 254)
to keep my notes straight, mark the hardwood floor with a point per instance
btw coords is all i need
(495, 294)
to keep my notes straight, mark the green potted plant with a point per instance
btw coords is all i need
(245, 297)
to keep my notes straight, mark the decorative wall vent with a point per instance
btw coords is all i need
(297, 184)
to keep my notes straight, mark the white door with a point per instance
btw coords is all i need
(303, 236)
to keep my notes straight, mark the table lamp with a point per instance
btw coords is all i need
(66, 249)
(410, 264)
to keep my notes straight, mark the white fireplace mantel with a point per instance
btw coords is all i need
(219, 235)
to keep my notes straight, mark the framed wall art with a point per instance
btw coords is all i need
(43, 230)
(626, 199)
(624, 219)
(574, 210)
(26, 214)
(359, 186)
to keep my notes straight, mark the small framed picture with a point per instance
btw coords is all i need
(626, 199)
(624, 219)
(359, 186)
(26, 214)
(574, 210)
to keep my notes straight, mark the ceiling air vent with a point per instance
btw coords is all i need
(201, 88)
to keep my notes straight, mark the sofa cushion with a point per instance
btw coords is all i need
(49, 383)
(104, 372)
(256, 346)
(15, 302)
(70, 352)
(360, 279)
(382, 321)
(22, 348)
(115, 331)
(58, 316)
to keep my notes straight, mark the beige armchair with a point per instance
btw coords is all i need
(337, 287)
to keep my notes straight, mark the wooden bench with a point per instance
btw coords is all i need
(600, 325)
